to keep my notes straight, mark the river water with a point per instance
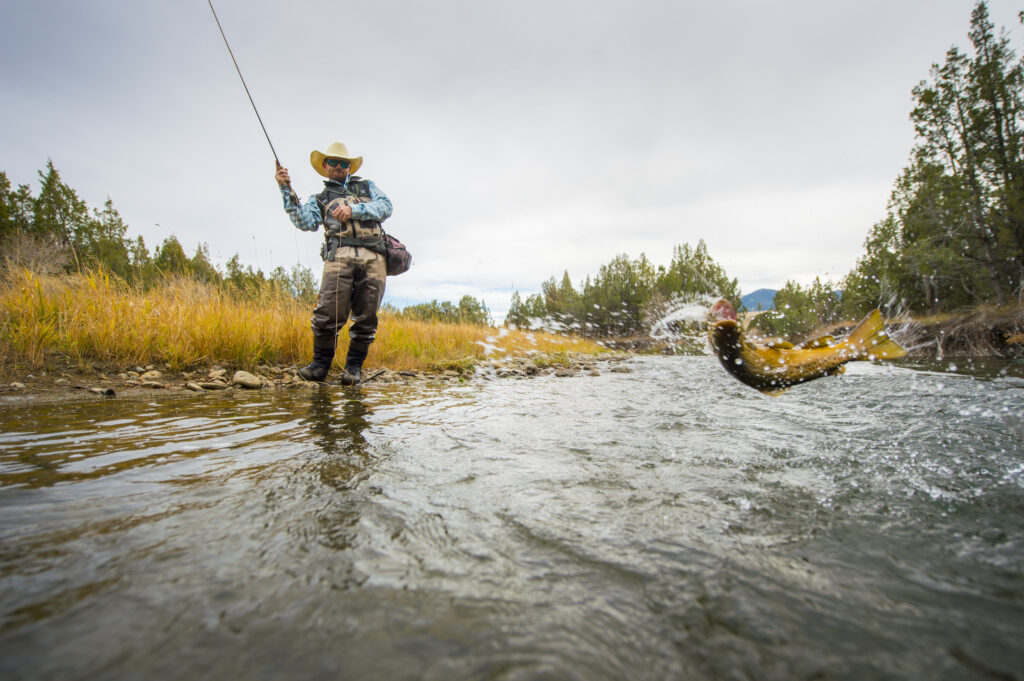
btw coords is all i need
(668, 523)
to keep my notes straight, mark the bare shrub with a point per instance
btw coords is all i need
(39, 255)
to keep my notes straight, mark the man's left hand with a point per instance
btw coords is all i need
(342, 213)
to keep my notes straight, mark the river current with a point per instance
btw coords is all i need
(668, 523)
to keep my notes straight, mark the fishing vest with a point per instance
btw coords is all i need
(366, 233)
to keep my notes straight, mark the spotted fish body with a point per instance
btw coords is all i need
(775, 368)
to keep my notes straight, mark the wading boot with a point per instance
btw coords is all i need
(354, 363)
(318, 369)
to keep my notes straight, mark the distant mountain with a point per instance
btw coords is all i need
(761, 299)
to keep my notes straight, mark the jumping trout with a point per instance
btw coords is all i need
(774, 368)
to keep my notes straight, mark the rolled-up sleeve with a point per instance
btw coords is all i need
(306, 216)
(378, 208)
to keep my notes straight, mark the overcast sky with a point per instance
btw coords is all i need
(515, 139)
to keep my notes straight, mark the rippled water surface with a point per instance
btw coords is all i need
(669, 523)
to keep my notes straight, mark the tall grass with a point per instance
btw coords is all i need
(94, 317)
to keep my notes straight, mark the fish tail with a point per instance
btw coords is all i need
(869, 340)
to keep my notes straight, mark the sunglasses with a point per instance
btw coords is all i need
(335, 162)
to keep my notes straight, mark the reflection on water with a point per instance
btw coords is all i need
(669, 523)
(336, 424)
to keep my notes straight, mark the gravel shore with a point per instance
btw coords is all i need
(98, 381)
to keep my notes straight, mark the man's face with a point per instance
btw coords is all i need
(337, 168)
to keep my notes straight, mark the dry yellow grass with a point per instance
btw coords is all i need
(185, 324)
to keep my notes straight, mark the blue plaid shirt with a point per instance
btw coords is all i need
(307, 216)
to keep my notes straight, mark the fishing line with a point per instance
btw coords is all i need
(294, 196)
(235, 61)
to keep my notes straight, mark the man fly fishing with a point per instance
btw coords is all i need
(351, 209)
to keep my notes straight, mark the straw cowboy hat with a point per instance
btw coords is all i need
(336, 150)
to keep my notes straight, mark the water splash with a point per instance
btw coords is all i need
(681, 323)
(682, 312)
(491, 345)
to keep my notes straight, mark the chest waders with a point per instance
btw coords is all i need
(353, 282)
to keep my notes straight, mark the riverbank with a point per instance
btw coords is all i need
(91, 332)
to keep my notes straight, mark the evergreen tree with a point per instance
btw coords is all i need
(201, 267)
(516, 317)
(693, 273)
(170, 257)
(15, 208)
(143, 271)
(473, 311)
(954, 234)
(469, 310)
(243, 279)
(57, 211)
(798, 310)
(618, 295)
(304, 286)
(875, 280)
(101, 240)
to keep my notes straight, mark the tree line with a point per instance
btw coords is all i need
(468, 310)
(625, 296)
(952, 236)
(54, 230)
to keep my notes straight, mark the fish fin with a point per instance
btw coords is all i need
(822, 342)
(775, 393)
(781, 345)
(869, 340)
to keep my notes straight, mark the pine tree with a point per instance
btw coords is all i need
(101, 240)
(57, 211)
(170, 257)
(954, 234)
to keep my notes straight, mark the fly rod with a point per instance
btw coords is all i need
(294, 196)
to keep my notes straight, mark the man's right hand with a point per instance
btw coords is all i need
(282, 176)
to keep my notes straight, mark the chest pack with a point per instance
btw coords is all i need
(365, 233)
